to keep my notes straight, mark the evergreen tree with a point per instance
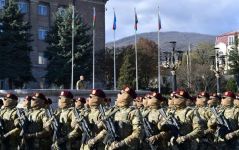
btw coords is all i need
(15, 46)
(127, 69)
(59, 52)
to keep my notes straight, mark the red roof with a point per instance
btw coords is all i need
(224, 37)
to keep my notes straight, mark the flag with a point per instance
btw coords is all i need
(136, 21)
(114, 24)
(159, 23)
(94, 17)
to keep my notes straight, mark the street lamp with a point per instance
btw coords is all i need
(217, 66)
(172, 60)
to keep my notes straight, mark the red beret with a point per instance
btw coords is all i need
(130, 91)
(11, 96)
(28, 98)
(81, 99)
(39, 96)
(229, 94)
(182, 93)
(158, 96)
(98, 92)
(203, 94)
(66, 94)
(214, 96)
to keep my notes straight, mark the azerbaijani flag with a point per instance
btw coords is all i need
(94, 17)
(114, 24)
(136, 21)
(159, 22)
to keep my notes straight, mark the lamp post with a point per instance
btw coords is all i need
(217, 66)
(171, 61)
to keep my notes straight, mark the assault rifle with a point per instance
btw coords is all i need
(87, 134)
(23, 122)
(223, 125)
(111, 131)
(56, 128)
(148, 132)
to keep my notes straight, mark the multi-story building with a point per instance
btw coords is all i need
(40, 14)
(225, 43)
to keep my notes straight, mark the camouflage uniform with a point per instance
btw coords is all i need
(127, 122)
(190, 127)
(152, 115)
(94, 121)
(10, 136)
(66, 137)
(38, 127)
(227, 139)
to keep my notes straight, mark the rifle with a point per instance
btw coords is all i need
(111, 131)
(56, 128)
(87, 134)
(23, 122)
(148, 132)
(222, 122)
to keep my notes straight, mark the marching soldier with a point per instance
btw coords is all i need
(213, 101)
(36, 128)
(26, 104)
(79, 103)
(9, 123)
(127, 122)
(189, 125)
(151, 122)
(94, 122)
(224, 122)
(65, 117)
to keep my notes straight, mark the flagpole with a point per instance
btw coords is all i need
(114, 54)
(159, 75)
(136, 53)
(72, 44)
(93, 86)
(188, 80)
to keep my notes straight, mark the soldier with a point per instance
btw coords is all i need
(79, 103)
(138, 103)
(93, 119)
(80, 83)
(37, 130)
(191, 101)
(213, 100)
(225, 123)
(153, 117)
(189, 125)
(127, 122)
(65, 116)
(107, 102)
(201, 106)
(236, 101)
(9, 123)
(26, 104)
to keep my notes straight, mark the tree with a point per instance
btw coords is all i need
(202, 78)
(15, 46)
(231, 85)
(127, 69)
(234, 61)
(147, 62)
(59, 52)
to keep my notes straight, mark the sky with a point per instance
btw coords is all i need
(212, 17)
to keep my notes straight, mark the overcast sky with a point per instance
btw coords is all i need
(201, 16)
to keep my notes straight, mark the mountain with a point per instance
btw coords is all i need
(183, 39)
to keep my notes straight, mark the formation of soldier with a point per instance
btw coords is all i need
(151, 122)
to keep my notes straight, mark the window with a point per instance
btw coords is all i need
(42, 32)
(2, 4)
(41, 58)
(23, 7)
(231, 40)
(42, 10)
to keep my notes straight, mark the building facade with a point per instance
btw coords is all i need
(225, 43)
(40, 14)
